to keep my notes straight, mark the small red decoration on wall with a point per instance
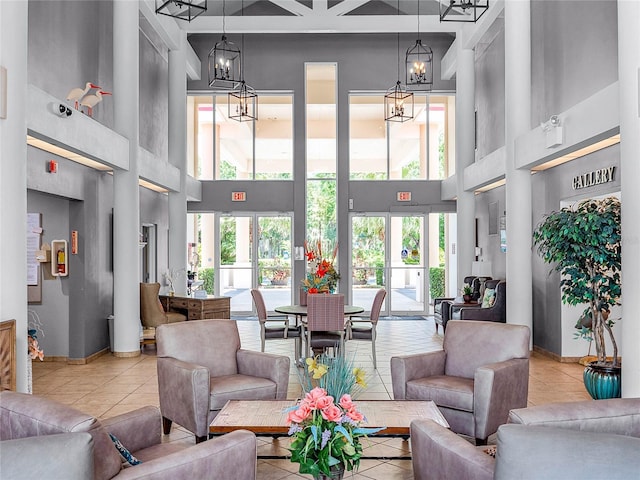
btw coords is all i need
(53, 166)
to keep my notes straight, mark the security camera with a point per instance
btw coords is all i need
(62, 110)
(554, 120)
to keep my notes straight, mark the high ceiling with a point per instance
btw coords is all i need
(321, 16)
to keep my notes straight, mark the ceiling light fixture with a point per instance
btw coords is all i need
(243, 100)
(398, 102)
(462, 10)
(182, 9)
(419, 64)
(224, 61)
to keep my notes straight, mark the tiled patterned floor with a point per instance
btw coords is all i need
(110, 386)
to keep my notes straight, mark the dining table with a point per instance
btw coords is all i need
(300, 311)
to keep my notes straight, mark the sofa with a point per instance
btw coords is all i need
(584, 440)
(23, 416)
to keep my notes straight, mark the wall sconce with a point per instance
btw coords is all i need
(553, 131)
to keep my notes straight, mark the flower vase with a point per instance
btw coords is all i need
(337, 472)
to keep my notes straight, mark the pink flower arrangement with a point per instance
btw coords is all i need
(326, 434)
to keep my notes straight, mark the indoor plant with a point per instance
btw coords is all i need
(583, 241)
(326, 424)
(322, 276)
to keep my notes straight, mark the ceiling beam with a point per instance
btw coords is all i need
(293, 7)
(346, 7)
(321, 24)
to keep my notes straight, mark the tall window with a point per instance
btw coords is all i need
(414, 150)
(321, 150)
(224, 149)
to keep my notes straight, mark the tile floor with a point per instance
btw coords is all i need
(109, 386)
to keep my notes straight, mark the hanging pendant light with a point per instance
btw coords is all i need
(224, 61)
(182, 9)
(419, 64)
(398, 102)
(243, 100)
(462, 10)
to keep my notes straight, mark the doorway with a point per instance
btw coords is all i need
(388, 251)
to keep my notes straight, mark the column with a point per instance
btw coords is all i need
(465, 156)
(126, 198)
(517, 41)
(178, 157)
(629, 80)
(13, 179)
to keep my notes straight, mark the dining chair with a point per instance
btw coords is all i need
(278, 326)
(362, 328)
(325, 326)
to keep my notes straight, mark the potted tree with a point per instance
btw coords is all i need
(583, 242)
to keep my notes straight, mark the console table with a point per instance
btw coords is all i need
(198, 308)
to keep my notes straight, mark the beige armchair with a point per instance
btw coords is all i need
(481, 373)
(201, 366)
(151, 312)
(231, 456)
(561, 441)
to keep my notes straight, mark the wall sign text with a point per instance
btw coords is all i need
(590, 179)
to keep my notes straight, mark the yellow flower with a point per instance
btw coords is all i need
(359, 374)
(316, 368)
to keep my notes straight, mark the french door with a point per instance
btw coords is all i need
(388, 251)
(255, 252)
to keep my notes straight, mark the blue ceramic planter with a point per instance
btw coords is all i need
(602, 381)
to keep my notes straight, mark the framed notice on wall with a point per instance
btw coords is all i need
(34, 235)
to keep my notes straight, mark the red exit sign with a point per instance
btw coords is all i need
(404, 196)
(238, 196)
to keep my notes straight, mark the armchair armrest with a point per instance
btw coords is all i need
(440, 453)
(266, 365)
(497, 388)
(439, 300)
(184, 396)
(232, 456)
(617, 415)
(66, 455)
(409, 367)
(137, 429)
(556, 454)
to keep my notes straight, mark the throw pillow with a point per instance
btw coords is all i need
(489, 297)
(491, 451)
(126, 454)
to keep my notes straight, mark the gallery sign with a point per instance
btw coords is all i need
(597, 177)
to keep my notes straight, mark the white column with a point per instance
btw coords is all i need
(629, 80)
(126, 197)
(178, 158)
(518, 187)
(13, 179)
(465, 156)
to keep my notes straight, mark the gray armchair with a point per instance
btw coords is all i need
(22, 416)
(442, 305)
(201, 366)
(481, 373)
(563, 441)
(497, 312)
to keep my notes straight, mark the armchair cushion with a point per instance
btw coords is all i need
(239, 387)
(451, 392)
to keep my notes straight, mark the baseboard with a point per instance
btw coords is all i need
(89, 359)
(555, 356)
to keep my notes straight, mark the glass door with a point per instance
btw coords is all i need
(248, 261)
(388, 252)
(368, 259)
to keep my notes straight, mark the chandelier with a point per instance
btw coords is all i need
(462, 10)
(419, 64)
(182, 9)
(243, 100)
(224, 61)
(398, 102)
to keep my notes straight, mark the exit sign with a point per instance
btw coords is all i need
(404, 196)
(238, 196)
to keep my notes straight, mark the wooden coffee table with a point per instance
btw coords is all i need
(268, 417)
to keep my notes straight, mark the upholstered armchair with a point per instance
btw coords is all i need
(201, 366)
(360, 328)
(481, 373)
(442, 305)
(22, 416)
(560, 441)
(151, 312)
(494, 311)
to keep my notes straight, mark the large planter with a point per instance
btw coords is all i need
(602, 381)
